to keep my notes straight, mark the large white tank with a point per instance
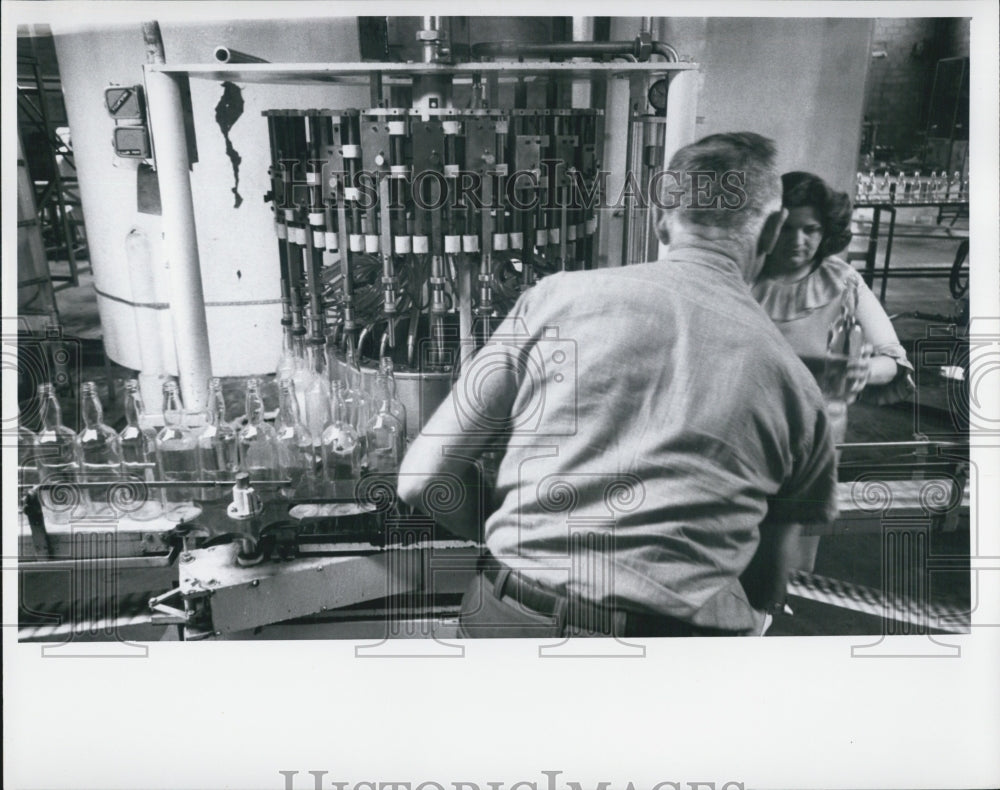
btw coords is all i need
(237, 247)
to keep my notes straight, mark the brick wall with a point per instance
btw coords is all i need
(899, 82)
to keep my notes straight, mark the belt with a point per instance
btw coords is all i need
(583, 614)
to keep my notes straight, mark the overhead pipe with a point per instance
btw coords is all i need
(640, 48)
(667, 51)
(227, 55)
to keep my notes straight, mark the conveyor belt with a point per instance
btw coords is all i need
(868, 600)
(127, 611)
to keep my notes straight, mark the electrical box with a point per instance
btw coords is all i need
(125, 103)
(131, 142)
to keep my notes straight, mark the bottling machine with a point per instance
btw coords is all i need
(405, 230)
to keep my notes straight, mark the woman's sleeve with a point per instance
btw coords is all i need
(881, 334)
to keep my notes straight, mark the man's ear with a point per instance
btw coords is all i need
(769, 232)
(660, 224)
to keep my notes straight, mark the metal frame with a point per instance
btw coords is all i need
(56, 195)
(164, 91)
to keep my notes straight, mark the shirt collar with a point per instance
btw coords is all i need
(707, 253)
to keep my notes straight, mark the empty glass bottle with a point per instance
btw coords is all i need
(396, 407)
(286, 362)
(27, 472)
(57, 461)
(176, 451)
(385, 434)
(302, 373)
(218, 457)
(317, 396)
(138, 446)
(846, 351)
(355, 398)
(297, 454)
(98, 452)
(258, 449)
(342, 452)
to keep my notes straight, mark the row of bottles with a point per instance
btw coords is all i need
(343, 432)
(885, 187)
(341, 416)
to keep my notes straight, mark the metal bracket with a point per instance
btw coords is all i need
(164, 614)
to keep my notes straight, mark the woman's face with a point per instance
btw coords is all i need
(797, 243)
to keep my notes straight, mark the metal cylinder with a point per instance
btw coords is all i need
(227, 55)
(187, 298)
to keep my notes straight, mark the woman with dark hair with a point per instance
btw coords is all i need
(802, 288)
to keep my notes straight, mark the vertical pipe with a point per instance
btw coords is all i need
(187, 298)
(682, 109)
(430, 47)
(583, 30)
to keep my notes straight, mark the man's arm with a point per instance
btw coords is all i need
(766, 578)
(809, 496)
(442, 473)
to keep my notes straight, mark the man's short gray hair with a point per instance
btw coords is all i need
(726, 181)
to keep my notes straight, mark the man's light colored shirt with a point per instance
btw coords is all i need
(658, 419)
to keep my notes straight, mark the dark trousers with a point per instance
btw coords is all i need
(501, 604)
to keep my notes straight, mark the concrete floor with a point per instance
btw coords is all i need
(860, 559)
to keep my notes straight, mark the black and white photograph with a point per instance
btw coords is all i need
(506, 348)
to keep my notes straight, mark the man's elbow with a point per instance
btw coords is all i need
(413, 478)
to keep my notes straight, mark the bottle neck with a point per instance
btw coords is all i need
(51, 412)
(381, 394)
(255, 406)
(173, 411)
(317, 358)
(133, 407)
(387, 370)
(93, 414)
(216, 407)
(288, 406)
(298, 345)
(338, 405)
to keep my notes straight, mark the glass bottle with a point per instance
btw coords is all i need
(296, 450)
(176, 451)
(98, 451)
(258, 449)
(56, 459)
(138, 445)
(27, 471)
(355, 398)
(883, 186)
(218, 458)
(396, 407)
(342, 452)
(286, 362)
(385, 434)
(302, 374)
(845, 346)
(317, 396)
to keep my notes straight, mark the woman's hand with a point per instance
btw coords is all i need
(859, 369)
(845, 375)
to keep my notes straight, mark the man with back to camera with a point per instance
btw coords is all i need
(661, 443)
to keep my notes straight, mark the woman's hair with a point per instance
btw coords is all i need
(833, 209)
